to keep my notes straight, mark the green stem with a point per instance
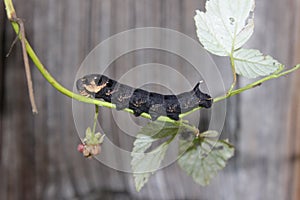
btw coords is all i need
(247, 87)
(10, 11)
(11, 14)
(233, 73)
(95, 118)
(259, 82)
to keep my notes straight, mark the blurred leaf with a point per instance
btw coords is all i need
(225, 26)
(205, 157)
(144, 164)
(251, 63)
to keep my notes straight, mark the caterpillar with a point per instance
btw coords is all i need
(142, 101)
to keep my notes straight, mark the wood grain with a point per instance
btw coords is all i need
(293, 128)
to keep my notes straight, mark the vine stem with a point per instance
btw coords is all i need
(247, 87)
(95, 118)
(10, 10)
(27, 67)
(11, 14)
(233, 73)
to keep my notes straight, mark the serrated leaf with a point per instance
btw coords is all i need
(225, 26)
(185, 144)
(251, 63)
(144, 164)
(205, 158)
(147, 163)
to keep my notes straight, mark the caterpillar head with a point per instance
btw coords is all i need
(91, 84)
(205, 100)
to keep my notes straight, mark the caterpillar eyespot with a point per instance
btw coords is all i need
(142, 101)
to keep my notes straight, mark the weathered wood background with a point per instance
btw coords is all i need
(38, 153)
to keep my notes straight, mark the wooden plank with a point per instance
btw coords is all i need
(18, 163)
(293, 126)
(2, 87)
(293, 163)
(263, 117)
(2, 58)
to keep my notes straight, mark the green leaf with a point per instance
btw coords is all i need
(185, 144)
(251, 63)
(205, 158)
(225, 26)
(159, 130)
(93, 138)
(146, 163)
(88, 132)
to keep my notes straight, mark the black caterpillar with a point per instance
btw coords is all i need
(139, 100)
